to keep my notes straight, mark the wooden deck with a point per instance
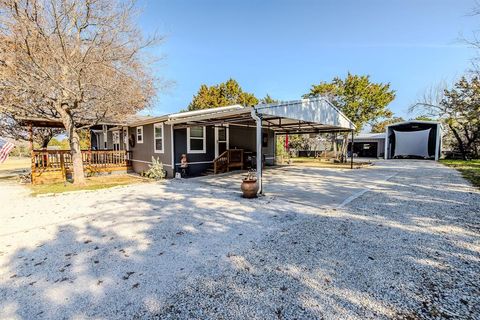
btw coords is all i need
(51, 166)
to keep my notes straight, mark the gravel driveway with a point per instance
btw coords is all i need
(406, 244)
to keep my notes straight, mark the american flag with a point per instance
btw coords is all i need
(5, 148)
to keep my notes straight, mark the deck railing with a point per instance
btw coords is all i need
(61, 160)
(232, 158)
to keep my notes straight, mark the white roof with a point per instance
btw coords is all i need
(370, 136)
(306, 115)
(413, 121)
(314, 110)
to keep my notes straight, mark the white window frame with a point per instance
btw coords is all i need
(155, 150)
(204, 141)
(227, 137)
(141, 134)
(116, 140)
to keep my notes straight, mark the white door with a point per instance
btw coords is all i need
(221, 140)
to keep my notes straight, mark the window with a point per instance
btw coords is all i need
(264, 140)
(116, 140)
(158, 137)
(139, 134)
(196, 140)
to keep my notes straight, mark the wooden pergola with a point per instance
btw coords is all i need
(50, 166)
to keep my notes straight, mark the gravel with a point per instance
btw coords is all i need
(408, 248)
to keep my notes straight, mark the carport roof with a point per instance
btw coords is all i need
(313, 115)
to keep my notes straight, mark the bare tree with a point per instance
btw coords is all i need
(459, 109)
(77, 61)
(11, 128)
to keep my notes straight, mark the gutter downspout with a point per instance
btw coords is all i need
(258, 121)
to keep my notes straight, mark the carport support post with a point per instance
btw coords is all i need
(351, 152)
(258, 121)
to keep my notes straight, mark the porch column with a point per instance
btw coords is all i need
(258, 121)
(89, 131)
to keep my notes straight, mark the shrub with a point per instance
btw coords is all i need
(155, 170)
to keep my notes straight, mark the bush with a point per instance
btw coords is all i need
(155, 170)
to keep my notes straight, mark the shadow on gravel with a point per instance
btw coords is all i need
(406, 250)
(398, 251)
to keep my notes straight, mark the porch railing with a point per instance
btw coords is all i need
(61, 160)
(232, 158)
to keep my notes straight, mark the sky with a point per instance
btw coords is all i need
(283, 47)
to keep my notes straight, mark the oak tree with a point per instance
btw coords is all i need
(381, 126)
(360, 99)
(221, 95)
(459, 109)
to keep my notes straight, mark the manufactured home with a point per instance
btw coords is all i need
(213, 140)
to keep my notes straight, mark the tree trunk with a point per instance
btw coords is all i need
(344, 147)
(74, 141)
(335, 153)
(45, 142)
(460, 142)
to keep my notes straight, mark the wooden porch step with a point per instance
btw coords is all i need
(208, 172)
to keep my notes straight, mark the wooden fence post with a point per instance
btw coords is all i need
(62, 166)
(32, 154)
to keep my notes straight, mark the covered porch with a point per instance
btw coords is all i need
(265, 121)
(55, 165)
(50, 166)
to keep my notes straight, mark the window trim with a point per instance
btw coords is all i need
(155, 150)
(141, 134)
(204, 150)
(116, 142)
(227, 137)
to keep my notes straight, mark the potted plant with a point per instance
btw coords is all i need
(249, 185)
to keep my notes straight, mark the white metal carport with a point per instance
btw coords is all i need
(314, 115)
(302, 116)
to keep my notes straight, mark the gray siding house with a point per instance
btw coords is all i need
(210, 137)
(153, 137)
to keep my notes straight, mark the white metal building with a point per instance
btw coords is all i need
(413, 139)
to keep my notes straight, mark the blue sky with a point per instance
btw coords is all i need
(283, 47)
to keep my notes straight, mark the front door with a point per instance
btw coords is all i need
(221, 140)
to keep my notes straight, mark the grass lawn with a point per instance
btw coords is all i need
(312, 162)
(470, 169)
(93, 183)
(15, 163)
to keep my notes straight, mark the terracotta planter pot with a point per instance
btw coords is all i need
(249, 188)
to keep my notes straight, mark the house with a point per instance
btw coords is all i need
(207, 136)
(214, 140)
